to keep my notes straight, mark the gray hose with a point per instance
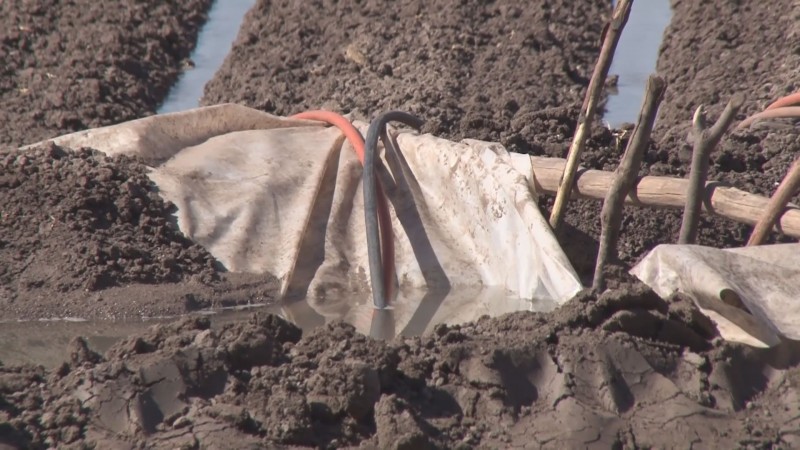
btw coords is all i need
(376, 127)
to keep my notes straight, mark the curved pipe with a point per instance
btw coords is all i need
(378, 224)
(786, 111)
(789, 100)
(379, 204)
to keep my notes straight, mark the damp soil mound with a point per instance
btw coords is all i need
(714, 50)
(69, 66)
(625, 370)
(78, 221)
(470, 68)
(622, 370)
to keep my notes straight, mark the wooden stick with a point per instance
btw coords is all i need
(705, 139)
(777, 204)
(661, 192)
(612, 34)
(625, 178)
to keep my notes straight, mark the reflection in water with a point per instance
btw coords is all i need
(413, 313)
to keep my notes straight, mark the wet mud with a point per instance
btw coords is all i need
(625, 369)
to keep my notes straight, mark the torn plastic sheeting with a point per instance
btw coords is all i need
(285, 199)
(751, 293)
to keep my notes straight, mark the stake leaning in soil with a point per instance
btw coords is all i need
(612, 34)
(625, 178)
(777, 204)
(705, 139)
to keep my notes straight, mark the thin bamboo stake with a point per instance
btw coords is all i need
(705, 139)
(612, 35)
(777, 204)
(625, 178)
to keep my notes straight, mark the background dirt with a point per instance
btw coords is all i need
(82, 235)
(485, 70)
(81, 64)
(625, 370)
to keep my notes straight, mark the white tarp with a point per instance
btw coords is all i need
(752, 293)
(272, 195)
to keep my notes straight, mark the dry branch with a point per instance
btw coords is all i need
(662, 192)
(705, 139)
(777, 204)
(612, 35)
(625, 178)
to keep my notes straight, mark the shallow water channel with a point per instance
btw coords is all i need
(634, 59)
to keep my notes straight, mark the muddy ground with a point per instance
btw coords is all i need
(623, 370)
(68, 67)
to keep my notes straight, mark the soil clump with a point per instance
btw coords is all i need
(82, 64)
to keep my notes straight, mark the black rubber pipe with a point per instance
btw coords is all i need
(376, 127)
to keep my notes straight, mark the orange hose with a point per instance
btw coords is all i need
(384, 217)
(786, 111)
(789, 100)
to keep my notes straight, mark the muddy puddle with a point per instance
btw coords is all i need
(44, 341)
(215, 40)
(412, 314)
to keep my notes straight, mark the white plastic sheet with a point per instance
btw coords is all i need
(752, 293)
(272, 195)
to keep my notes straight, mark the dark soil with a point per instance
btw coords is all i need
(68, 66)
(484, 70)
(76, 223)
(82, 235)
(625, 370)
(98, 222)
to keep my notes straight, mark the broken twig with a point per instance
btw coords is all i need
(705, 139)
(625, 178)
(612, 34)
(777, 205)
